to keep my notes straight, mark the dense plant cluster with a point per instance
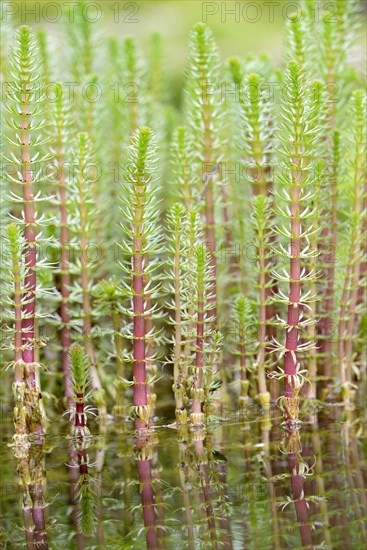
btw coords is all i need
(220, 246)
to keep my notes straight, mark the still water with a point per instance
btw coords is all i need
(246, 483)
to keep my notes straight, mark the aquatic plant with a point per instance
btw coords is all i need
(283, 175)
(243, 319)
(24, 103)
(203, 113)
(139, 245)
(177, 227)
(80, 382)
(81, 437)
(108, 297)
(179, 285)
(295, 189)
(82, 218)
(61, 115)
(261, 213)
(200, 307)
(354, 277)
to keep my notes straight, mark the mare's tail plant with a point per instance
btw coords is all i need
(61, 117)
(80, 382)
(260, 222)
(83, 216)
(24, 103)
(182, 159)
(203, 112)
(202, 306)
(352, 278)
(140, 243)
(243, 320)
(296, 191)
(258, 136)
(337, 34)
(14, 281)
(177, 227)
(108, 297)
(81, 437)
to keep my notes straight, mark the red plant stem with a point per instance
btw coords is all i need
(17, 321)
(79, 411)
(300, 503)
(27, 518)
(291, 341)
(148, 328)
(139, 351)
(199, 363)
(65, 275)
(40, 539)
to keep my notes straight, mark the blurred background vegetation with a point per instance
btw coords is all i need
(241, 28)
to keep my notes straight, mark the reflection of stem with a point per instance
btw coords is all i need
(265, 428)
(183, 469)
(127, 494)
(159, 497)
(99, 505)
(224, 521)
(221, 470)
(73, 475)
(298, 495)
(32, 477)
(144, 467)
(316, 444)
(338, 519)
(206, 496)
(252, 496)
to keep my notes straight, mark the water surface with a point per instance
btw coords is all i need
(246, 483)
